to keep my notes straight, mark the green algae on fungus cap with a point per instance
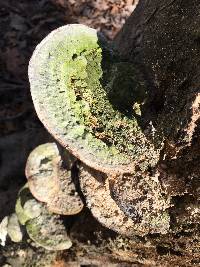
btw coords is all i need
(44, 228)
(74, 78)
(48, 231)
(26, 206)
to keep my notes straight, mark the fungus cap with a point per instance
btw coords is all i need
(49, 182)
(74, 79)
(96, 189)
(48, 231)
(44, 228)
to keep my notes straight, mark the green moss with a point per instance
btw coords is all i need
(87, 96)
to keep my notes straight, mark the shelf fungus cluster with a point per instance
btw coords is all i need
(91, 101)
(49, 180)
(48, 194)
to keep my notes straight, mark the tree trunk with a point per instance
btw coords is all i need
(162, 38)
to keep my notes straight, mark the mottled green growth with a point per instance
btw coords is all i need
(49, 232)
(43, 227)
(24, 195)
(86, 96)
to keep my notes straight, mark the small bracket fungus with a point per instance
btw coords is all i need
(85, 95)
(50, 182)
(44, 228)
(48, 232)
(150, 214)
(95, 188)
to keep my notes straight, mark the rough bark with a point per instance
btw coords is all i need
(163, 39)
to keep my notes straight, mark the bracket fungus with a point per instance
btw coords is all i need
(96, 191)
(85, 95)
(44, 228)
(91, 101)
(143, 213)
(50, 182)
